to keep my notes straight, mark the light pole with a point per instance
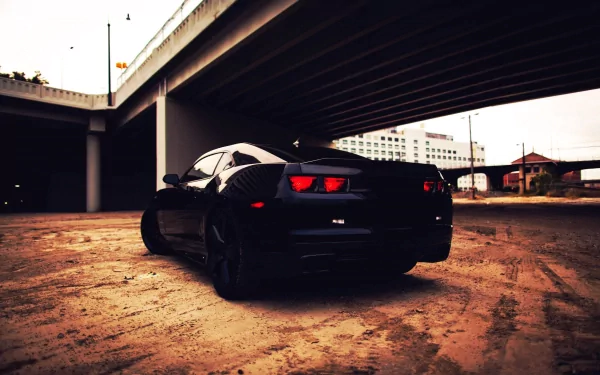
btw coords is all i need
(110, 102)
(472, 159)
(524, 182)
(62, 68)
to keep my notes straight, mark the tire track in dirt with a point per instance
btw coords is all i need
(575, 328)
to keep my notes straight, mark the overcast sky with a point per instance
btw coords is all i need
(38, 34)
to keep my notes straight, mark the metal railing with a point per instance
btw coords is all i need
(186, 8)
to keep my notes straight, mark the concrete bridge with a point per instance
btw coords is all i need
(496, 173)
(274, 70)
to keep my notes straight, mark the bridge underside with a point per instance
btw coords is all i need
(337, 68)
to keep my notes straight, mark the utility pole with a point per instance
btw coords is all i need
(524, 170)
(472, 161)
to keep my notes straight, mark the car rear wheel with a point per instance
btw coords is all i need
(228, 261)
(154, 241)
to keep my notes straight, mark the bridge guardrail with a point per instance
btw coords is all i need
(44, 93)
(186, 8)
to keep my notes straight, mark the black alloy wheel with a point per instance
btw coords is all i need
(227, 264)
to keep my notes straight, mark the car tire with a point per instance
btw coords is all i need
(154, 241)
(229, 257)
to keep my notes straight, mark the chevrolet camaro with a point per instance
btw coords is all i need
(249, 212)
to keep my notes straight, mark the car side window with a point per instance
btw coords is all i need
(226, 162)
(204, 168)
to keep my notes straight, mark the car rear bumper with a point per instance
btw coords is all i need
(320, 250)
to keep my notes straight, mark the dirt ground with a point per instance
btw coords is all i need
(80, 294)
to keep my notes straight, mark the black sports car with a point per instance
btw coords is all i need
(250, 212)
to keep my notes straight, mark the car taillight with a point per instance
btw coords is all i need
(428, 186)
(440, 186)
(335, 184)
(303, 183)
(433, 187)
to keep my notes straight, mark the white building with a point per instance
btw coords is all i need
(418, 146)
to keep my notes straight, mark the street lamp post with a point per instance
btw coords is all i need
(472, 159)
(62, 68)
(110, 101)
(109, 85)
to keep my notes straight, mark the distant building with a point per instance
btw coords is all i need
(534, 165)
(418, 146)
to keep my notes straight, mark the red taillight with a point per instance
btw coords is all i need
(257, 205)
(303, 183)
(428, 186)
(334, 184)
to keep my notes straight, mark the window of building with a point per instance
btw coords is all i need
(390, 153)
(416, 161)
(483, 149)
(416, 142)
(438, 150)
(454, 152)
(396, 153)
(352, 150)
(368, 144)
(427, 149)
(352, 143)
(439, 156)
(426, 156)
(390, 145)
(390, 139)
(426, 143)
(376, 144)
(416, 155)
(454, 158)
(345, 141)
(444, 151)
(360, 151)
(376, 152)
(403, 147)
(444, 157)
(404, 160)
(361, 143)
(396, 147)
(403, 140)
(415, 148)
(360, 136)
(403, 154)
(368, 137)
(428, 162)
(382, 138)
(368, 152)
(345, 148)
(483, 161)
(395, 139)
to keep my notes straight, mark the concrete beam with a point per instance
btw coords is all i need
(47, 114)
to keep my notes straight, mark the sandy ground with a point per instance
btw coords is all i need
(519, 294)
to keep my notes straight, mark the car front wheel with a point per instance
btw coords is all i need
(151, 235)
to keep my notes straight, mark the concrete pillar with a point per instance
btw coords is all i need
(96, 128)
(93, 173)
(185, 131)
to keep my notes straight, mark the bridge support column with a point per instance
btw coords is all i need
(185, 131)
(495, 182)
(96, 128)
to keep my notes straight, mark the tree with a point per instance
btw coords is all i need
(38, 79)
(20, 76)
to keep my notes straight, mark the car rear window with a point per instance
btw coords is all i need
(303, 154)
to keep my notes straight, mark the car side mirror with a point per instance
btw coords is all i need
(171, 179)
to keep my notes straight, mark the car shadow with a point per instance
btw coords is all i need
(327, 288)
(342, 288)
